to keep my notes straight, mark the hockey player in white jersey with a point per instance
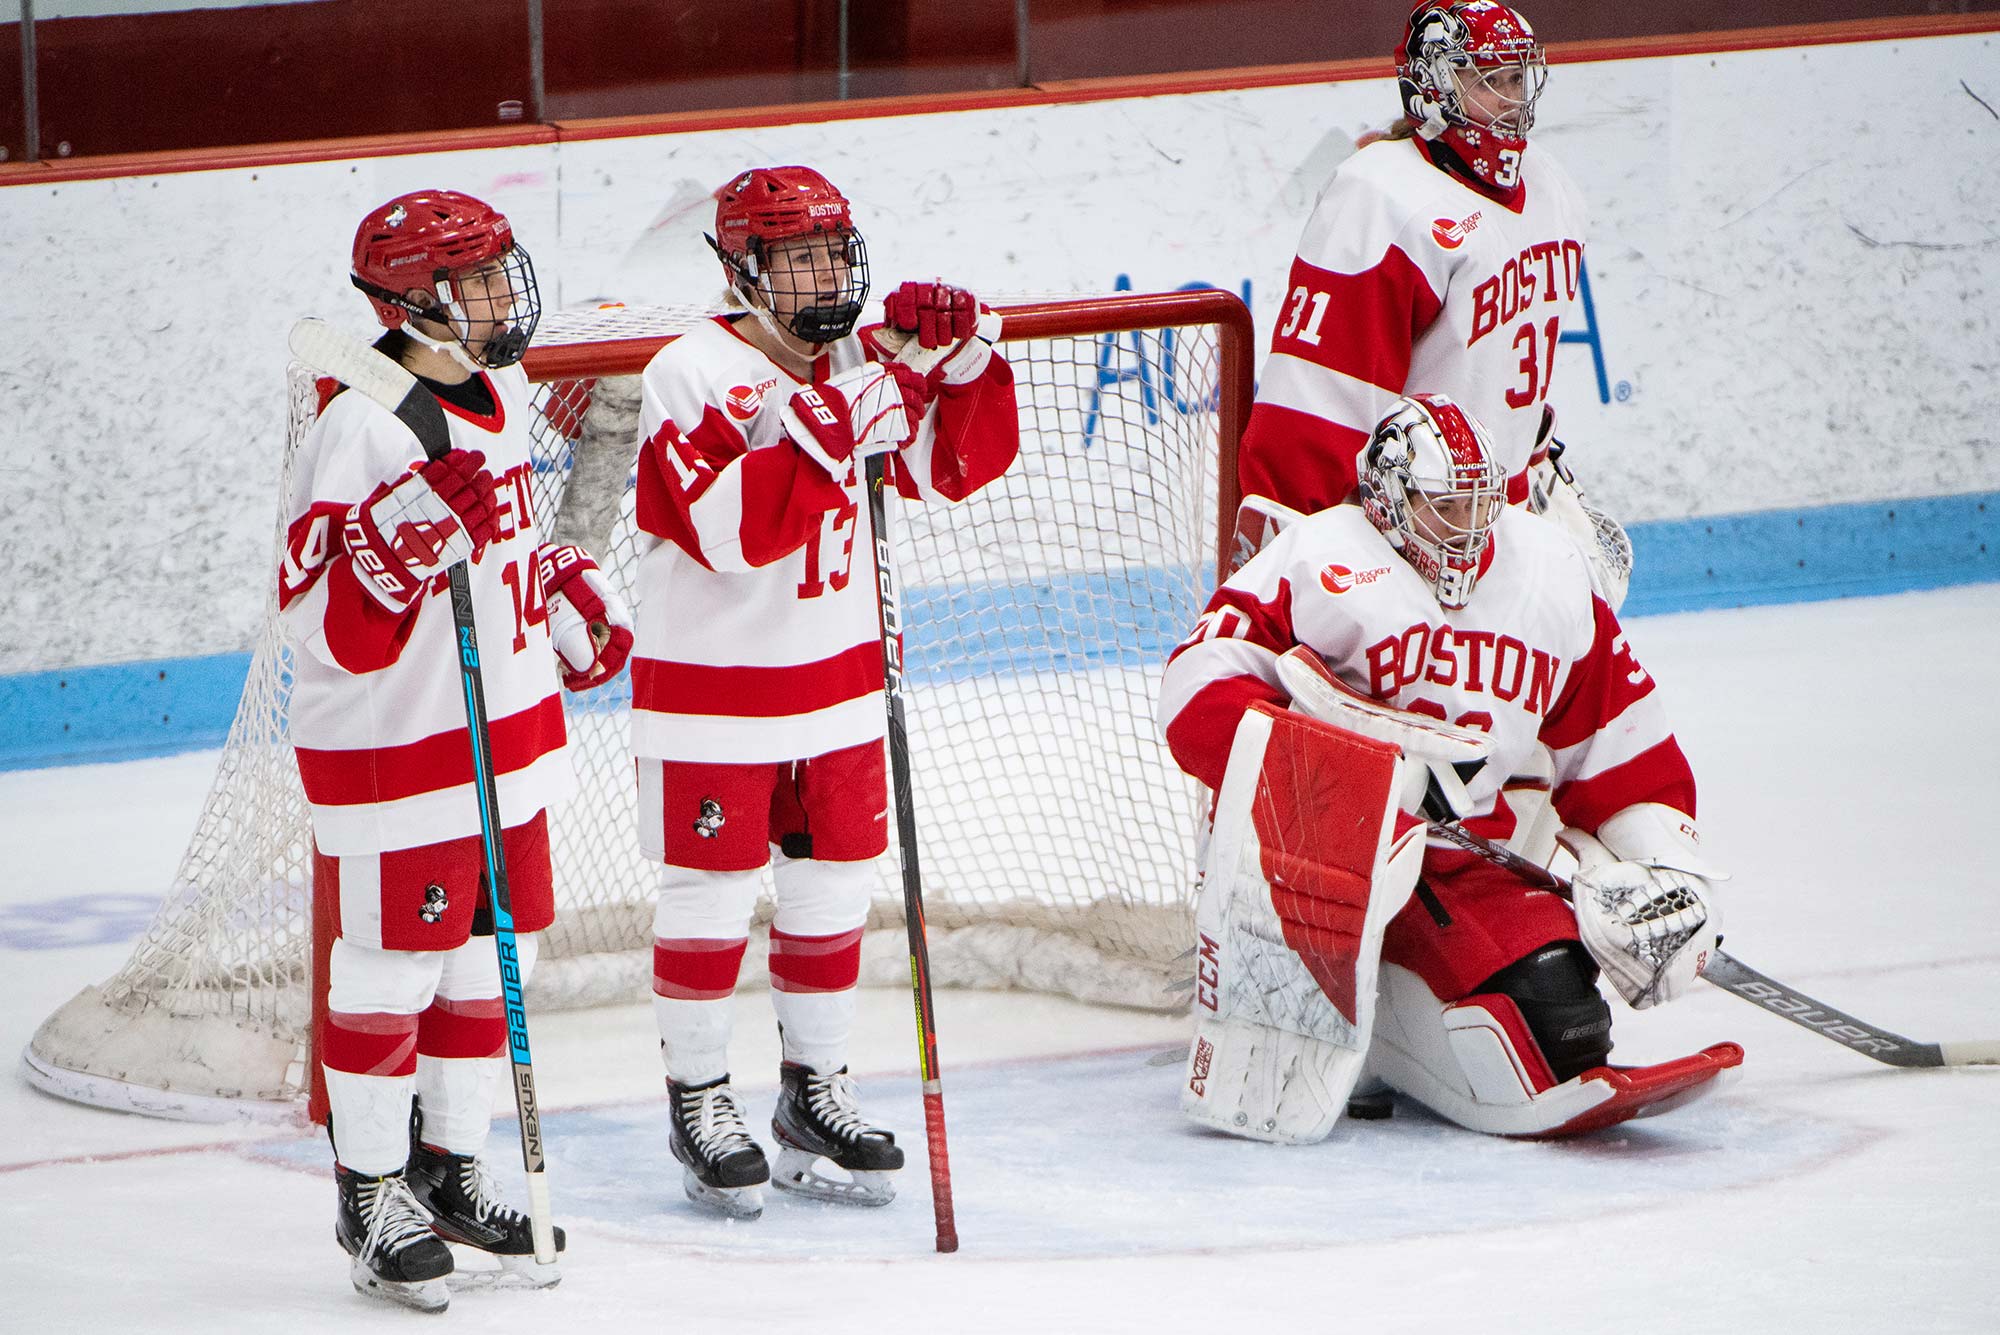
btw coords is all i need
(758, 717)
(1444, 257)
(1380, 666)
(407, 1007)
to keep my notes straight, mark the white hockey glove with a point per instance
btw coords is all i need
(414, 529)
(938, 315)
(1645, 907)
(868, 409)
(1554, 494)
(589, 622)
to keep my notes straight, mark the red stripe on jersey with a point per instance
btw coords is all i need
(1238, 614)
(815, 963)
(1298, 459)
(783, 493)
(1658, 774)
(978, 432)
(311, 542)
(696, 968)
(1375, 317)
(494, 422)
(365, 775)
(660, 507)
(756, 692)
(462, 1028)
(370, 1043)
(1601, 685)
(361, 634)
(1201, 733)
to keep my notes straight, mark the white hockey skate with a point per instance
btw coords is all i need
(817, 1119)
(396, 1255)
(723, 1168)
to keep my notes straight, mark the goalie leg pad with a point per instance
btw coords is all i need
(1302, 876)
(1476, 1062)
(1555, 990)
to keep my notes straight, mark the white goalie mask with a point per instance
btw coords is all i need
(1430, 483)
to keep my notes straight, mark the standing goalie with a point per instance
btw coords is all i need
(1380, 667)
(1444, 257)
(407, 984)
(758, 717)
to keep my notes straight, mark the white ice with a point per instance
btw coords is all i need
(1846, 754)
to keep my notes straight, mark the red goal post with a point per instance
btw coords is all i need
(1057, 833)
(1086, 317)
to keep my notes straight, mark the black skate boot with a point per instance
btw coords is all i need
(465, 1207)
(817, 1119)
(723, 1167)
(396, 1256)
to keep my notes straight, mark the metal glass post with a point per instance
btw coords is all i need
(1023, 76)
(31, 111)
(536, 87)
(845, 73)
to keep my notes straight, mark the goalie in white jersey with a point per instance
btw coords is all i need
(1378, 666)
(407, 1006)
(758, 715)
(1445, 257)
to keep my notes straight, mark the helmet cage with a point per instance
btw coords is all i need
(1430, 484)
(818, 315)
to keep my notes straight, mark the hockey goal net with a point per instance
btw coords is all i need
(1057, 834)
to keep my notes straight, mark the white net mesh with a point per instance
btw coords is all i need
(1056, 831)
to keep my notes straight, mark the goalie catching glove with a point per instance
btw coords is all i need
(589, 622)
(1644, 904)
(868, 409)
(414, 529)
(1553, 494)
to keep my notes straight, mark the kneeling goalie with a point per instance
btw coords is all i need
(1430, 655)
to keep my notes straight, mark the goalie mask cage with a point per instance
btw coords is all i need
(1058, 835)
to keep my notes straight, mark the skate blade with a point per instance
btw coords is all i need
(797, 1172)
(730, 1202)
(426, 1295)
(512, 1272)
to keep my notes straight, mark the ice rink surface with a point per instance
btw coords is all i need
(1845, 752)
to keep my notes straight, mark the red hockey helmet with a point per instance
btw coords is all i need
(421, 243)
(769, 205)
(1430, 483)
(1465, 52)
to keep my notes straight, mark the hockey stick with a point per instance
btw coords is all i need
(1734, 976)
(891, 620)
(363, 369)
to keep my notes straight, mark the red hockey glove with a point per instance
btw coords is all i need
(410, 531)
(937, 313)
(589, 622)
(857, 413)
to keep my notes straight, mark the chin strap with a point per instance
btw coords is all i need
(452, 347)
(753, 301)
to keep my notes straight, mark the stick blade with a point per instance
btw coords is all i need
(362, 369)
(1972, 1052)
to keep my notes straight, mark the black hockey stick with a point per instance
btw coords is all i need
(363, 369)
(906, 832)
(1734, 976)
